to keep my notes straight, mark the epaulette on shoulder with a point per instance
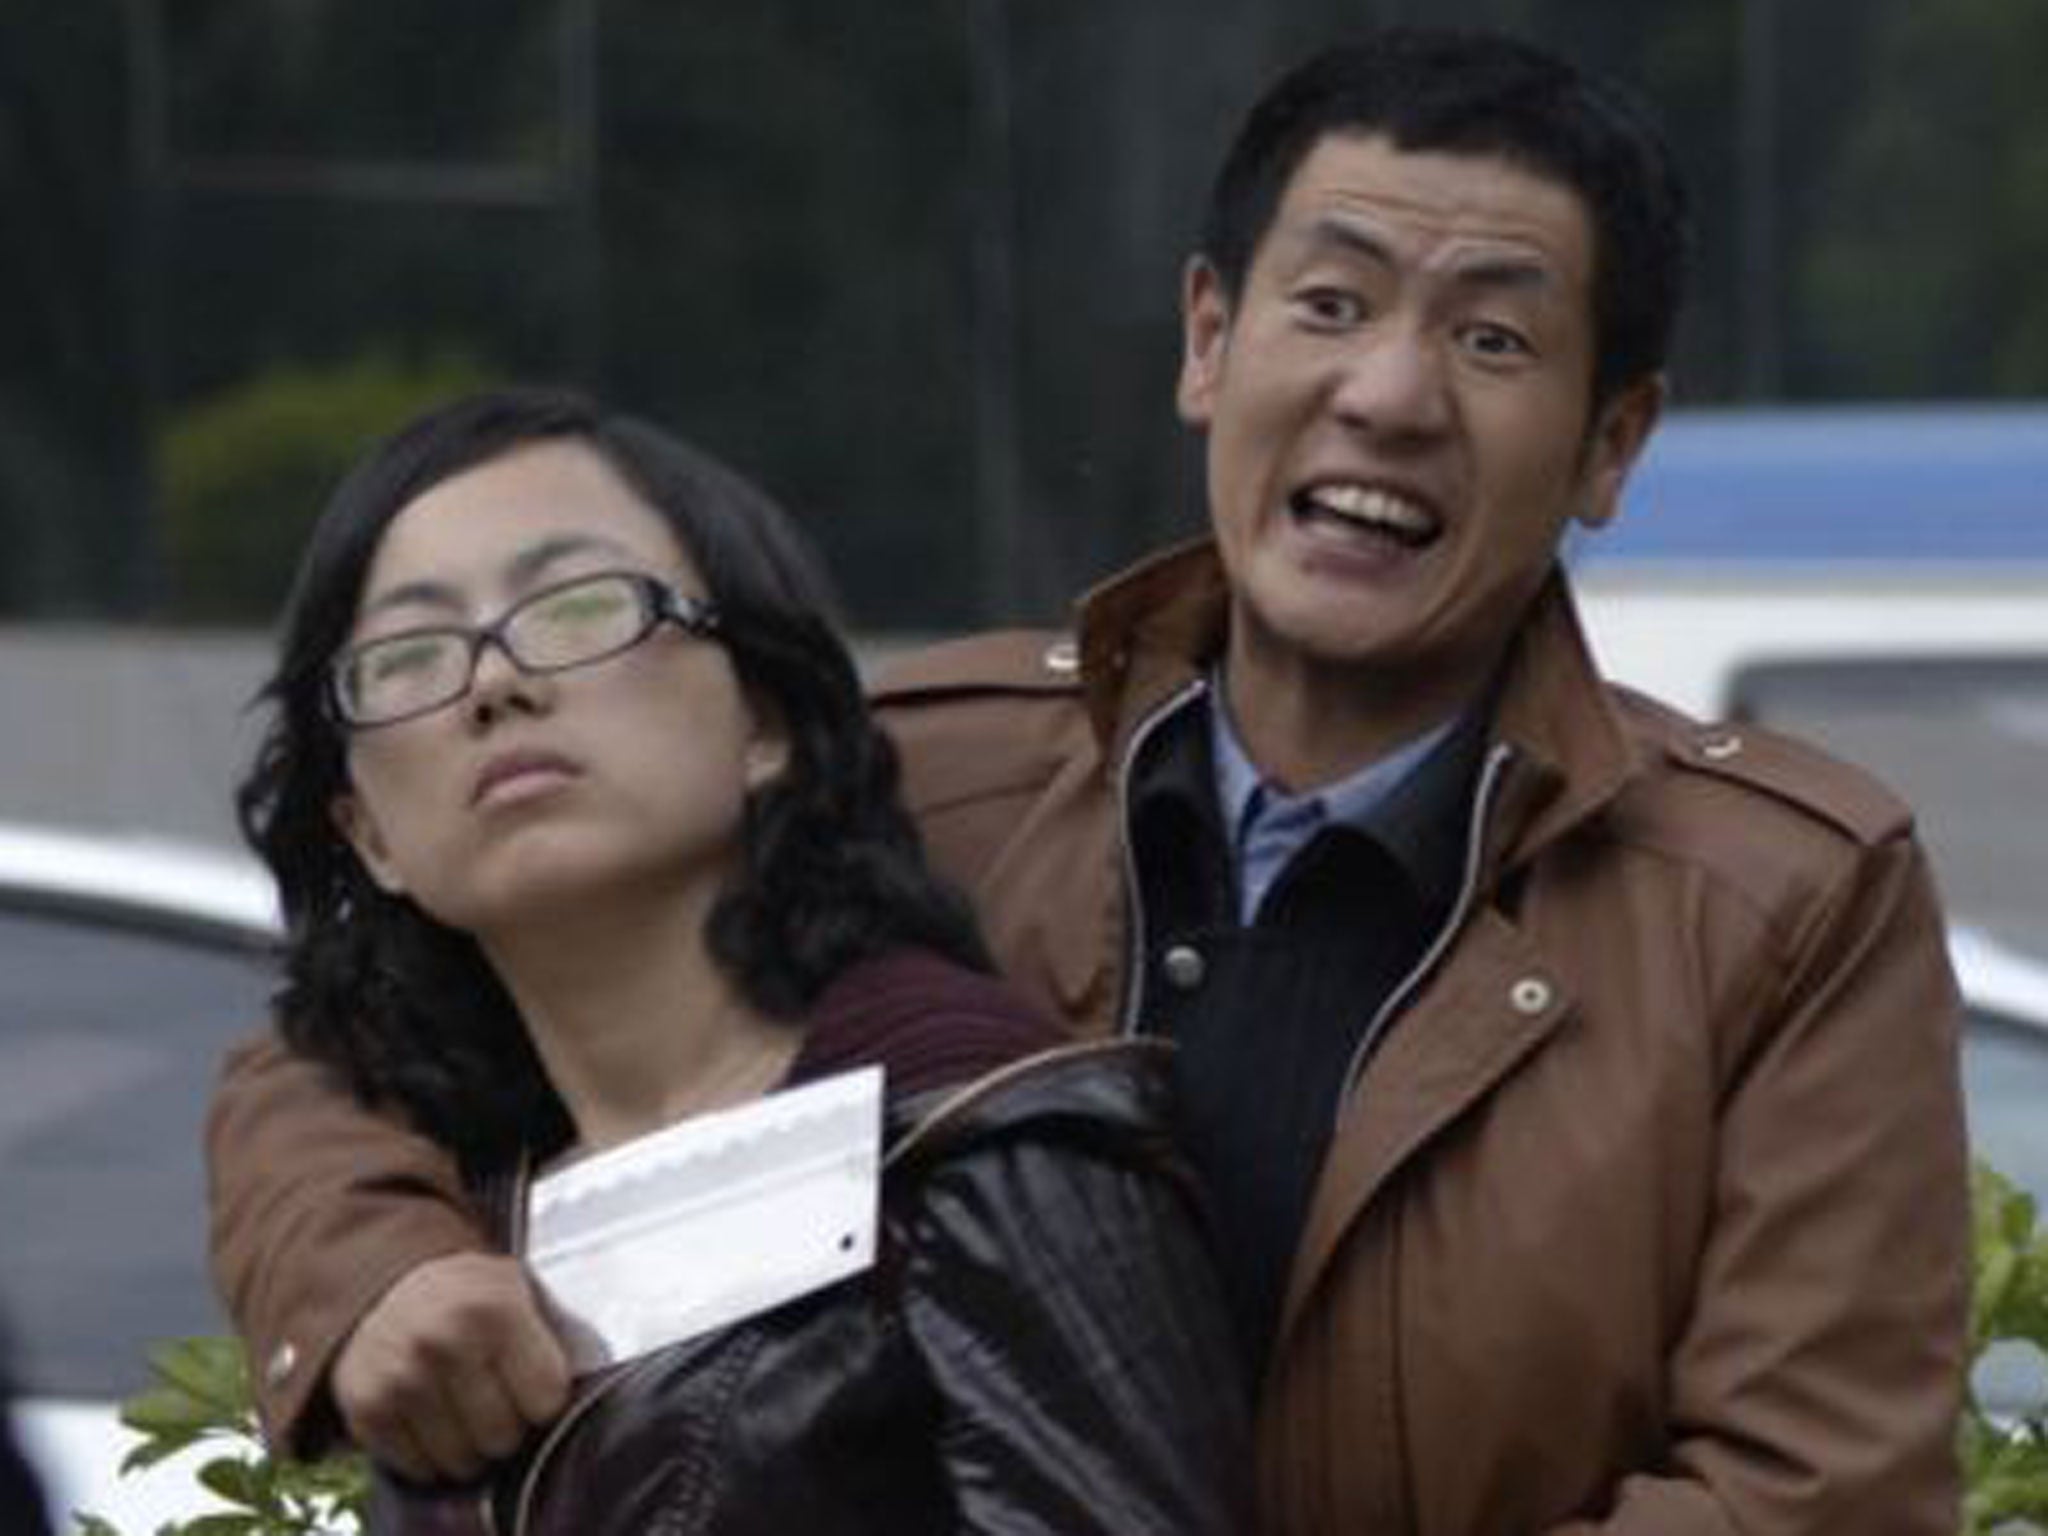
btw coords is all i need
(1001, 661)
(1790, 771)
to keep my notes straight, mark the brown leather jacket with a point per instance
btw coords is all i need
(1647, 1214)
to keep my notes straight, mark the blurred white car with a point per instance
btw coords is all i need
(128, 966)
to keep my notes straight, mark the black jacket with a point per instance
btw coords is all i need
(1041, 1347)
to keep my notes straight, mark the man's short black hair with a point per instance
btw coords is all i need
(1463, 92)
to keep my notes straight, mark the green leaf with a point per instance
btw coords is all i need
(221, 1525)
(213, 1371)
(335, 1475)
(236, 1481)
(157, 1448)
(167, 1410)
(2016, 1215)
(201, 1394)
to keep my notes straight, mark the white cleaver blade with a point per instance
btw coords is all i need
(711, 1220)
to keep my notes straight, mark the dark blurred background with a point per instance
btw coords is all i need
(912, 265)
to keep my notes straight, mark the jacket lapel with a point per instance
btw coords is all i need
(1493, 1003)
(1491, 1008)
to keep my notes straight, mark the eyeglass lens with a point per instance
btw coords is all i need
(566, 626)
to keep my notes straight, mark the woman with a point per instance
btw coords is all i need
(581, 828)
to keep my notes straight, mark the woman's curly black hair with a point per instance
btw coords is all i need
(408, 1009)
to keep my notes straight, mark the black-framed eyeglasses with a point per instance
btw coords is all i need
(570, 624)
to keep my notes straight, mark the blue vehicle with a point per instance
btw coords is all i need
(1955, 485)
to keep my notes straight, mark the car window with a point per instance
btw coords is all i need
(1964, 740)
(2005, 1077)
(112, 1036)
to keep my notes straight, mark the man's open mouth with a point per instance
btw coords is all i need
(1369, 509)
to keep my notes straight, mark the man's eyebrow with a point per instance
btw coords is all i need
(1504, 271)
(521, 571)
(1341, 232)
(1485, 269)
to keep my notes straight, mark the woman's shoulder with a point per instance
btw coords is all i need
(930, 1023)
(1114, 1096)
(968, 1061)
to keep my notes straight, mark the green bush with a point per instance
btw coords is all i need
(201, 1399)
(244, 473)
(2005, 1464)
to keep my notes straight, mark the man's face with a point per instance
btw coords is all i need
(1398, 408)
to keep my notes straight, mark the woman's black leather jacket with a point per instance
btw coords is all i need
(1040, 1348)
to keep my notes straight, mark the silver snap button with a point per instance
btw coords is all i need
(1183, 967)
(1720, 748)
(1530, 995)
(1063, 657)
(282, 1362)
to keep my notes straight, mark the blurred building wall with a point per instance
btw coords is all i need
(127, 730)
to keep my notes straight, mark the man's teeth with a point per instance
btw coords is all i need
(1377, 509)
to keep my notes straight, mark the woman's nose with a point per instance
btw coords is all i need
(498, 685)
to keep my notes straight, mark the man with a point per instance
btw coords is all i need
(1575, 1086)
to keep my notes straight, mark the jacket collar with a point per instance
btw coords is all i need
(1572, 752)
(1156, 627)
(1148, 632)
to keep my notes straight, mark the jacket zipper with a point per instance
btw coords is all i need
(529, 1485)
(1482, 807)
(515, 1242)
(1134, 955)
(522, 1509)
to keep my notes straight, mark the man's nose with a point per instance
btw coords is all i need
(1393, 383)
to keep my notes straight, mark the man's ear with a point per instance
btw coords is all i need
(1204, 336)
(1615, 442)
(359, 829)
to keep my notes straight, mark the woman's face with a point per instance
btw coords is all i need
(624, 776)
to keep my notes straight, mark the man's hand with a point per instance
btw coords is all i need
(450, 1369)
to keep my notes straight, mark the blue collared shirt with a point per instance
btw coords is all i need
(1266, 827)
